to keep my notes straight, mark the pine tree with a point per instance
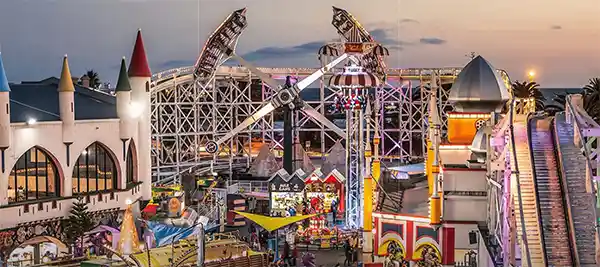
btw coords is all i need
(77, 224)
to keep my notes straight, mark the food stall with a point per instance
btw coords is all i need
(322, 191)
(324, 195)
(165, 199)
(286, 194)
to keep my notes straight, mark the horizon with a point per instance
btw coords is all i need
(278, 36)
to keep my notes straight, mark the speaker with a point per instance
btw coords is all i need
(472, 238)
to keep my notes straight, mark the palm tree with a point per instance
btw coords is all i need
(94, 78)
(529, 90)
(591, 97)
(558, 104)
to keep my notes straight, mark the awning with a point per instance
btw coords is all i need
(273, 223)
(404, 172)
(44, 239)
(150, 209)
(356, 78)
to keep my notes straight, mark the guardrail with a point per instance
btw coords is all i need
(249, 186)
(201, 168)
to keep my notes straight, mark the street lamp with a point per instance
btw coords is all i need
(531, 75)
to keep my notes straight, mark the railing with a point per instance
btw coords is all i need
(204, 168)
(250, 186)
(15, 215)
(586, 133)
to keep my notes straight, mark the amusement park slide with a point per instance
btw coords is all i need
(552, 215)
(580, 200)
(557, 210)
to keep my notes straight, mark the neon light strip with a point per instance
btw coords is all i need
(469, 115)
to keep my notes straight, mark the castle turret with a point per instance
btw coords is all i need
(125, 111)
(66, 101)
(139, 78)
(4, 116)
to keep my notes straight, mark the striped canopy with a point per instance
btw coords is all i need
(354, 79)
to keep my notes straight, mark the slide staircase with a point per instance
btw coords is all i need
(578, 192)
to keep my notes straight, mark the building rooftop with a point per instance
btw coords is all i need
(138, 66)
(39, 101)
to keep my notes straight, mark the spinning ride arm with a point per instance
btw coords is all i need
(285, 96)
(352, 31)
(316, 115)
(227, 34)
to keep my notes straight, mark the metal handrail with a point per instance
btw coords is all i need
(516, 172)
(572, 117)
(252, 186)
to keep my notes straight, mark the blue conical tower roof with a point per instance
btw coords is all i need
(3, 80)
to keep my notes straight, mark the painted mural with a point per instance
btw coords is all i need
(409, 239)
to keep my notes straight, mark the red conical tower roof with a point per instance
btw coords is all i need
(138, 67)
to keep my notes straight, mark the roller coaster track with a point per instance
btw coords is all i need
(233, 71)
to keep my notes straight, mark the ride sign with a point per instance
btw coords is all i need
(278, 184)
(353, 48)
(212, 147)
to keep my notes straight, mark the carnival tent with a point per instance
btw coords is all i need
(273, 223)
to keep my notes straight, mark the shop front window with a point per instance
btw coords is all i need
(34, 176)
(94, 171)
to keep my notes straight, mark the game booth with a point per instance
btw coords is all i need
(286, 193)
(166, 201)
(324, 194)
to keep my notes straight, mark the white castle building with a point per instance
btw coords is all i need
(59, 141)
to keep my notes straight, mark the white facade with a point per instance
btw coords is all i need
(48, 136)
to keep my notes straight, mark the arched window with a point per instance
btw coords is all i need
(131, 167)
(34, 176)
(95, 170)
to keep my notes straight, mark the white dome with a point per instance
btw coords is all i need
(478, 88)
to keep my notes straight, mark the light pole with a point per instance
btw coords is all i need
(531, 75)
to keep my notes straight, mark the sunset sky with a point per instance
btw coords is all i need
(559, 39)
